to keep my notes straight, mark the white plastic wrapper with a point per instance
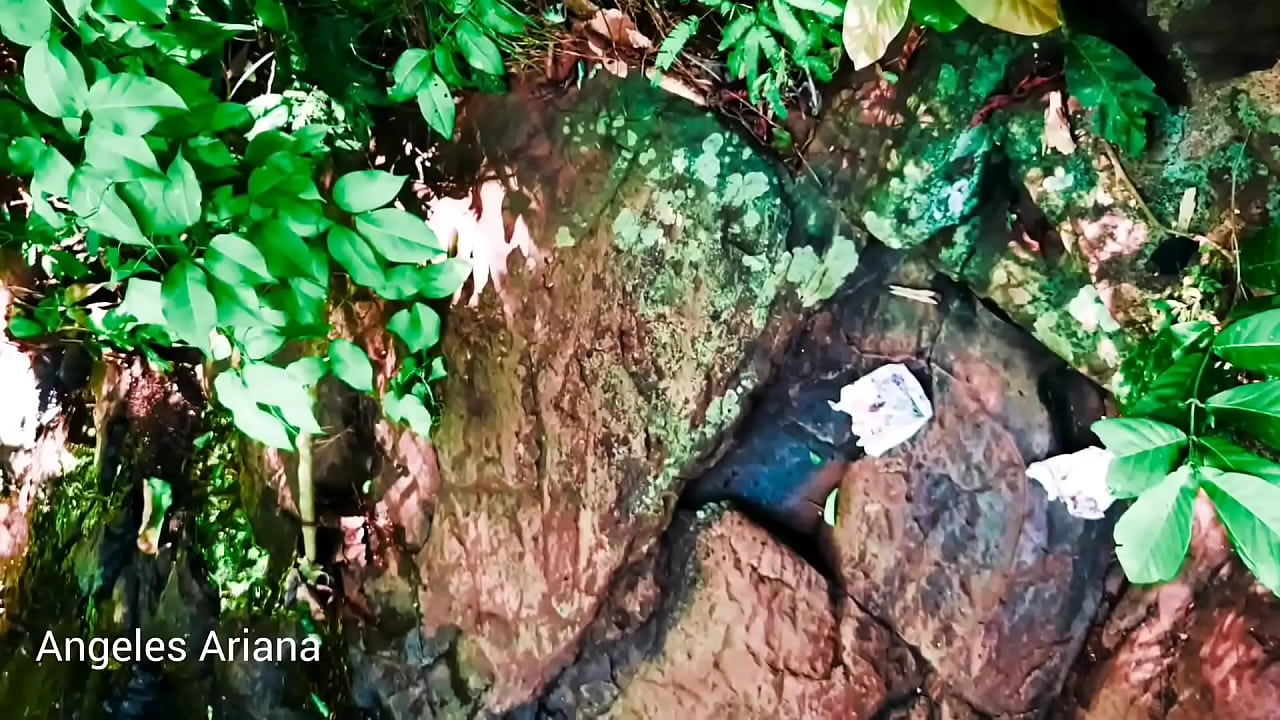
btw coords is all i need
(1078, 479)
(887, 405)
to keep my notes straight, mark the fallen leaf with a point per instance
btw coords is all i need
(619, 29)
(1057, 126)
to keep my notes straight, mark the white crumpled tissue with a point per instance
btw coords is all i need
(887, 405)
(1078, 479)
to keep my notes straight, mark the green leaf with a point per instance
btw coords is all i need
(351, 365)
(141, 11)
(132, 104)
(236, 261)
(22, 328)
(1153, 535)
(182, 195)
(790, 24)
(356, 257)
(25, 22)
(401, 283)
(190, 311)
(119, 157)
(1254, 408)
(144, 300)
(496, 16)
(1253, 306)
(869, 27)
(101, 209)
(283, 174)
(409, 74)
(442, 279)
(1023, 17)
(826, 8)
(304, 218)
(418, 326)
(273, 386)
(1260, 259)
(1106, 81)
(308, 371)
(252, 420)
(54, 80)
(1249, 508)
(1162, 399)
(675, 41)
(408, 409)
(1144, 452)
(446, 66)
(435, 100)
(287, 255)
(1253, 343)
(480, 52)
(399, 236)
(365, 190)
(1226, 455)
(943, 16)
(830, 509)
(271, 14)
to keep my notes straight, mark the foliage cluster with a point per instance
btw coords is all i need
(171, 217)
(1209, 396)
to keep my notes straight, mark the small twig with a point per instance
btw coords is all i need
(244, 76)
(1152, 220)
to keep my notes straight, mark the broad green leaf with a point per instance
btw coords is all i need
(1260, 259)
(1144, 452)
(310, 138)
(1253, 306)
(76, 10)
(409, 74)
(418, 326)
(260, 342)
(236, 261)
(365, 190)
(435, 100)
(132, 104)
(497, 16)
(273, 386)
(54, 80)
(1106, 81)
(25, 22)
(119, 158)
(402, 282)
(271, 14)
(1153, 535)
(50, 171)
(22, 328)
(230, 390)
(302, 301)
(443, 56)
(182, 194)
(356, 257)
(308, 371)
(408, 409)
(141, 11)
(304, 218)
(287, 255)
(1253, 343)
(442, 279)
(1249, 509)
(144, 300)
(940, 15)
(399, 236)
(239, 306)
(190, 311)
(211, 153)
(283, 174)
(1226, 455)
(480, 52)
(1023, 17)
(101, 209)
(1162, 398)
(351, 365)
(1254, 409)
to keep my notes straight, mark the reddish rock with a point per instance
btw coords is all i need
(948, 542)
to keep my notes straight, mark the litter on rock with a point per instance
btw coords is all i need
(887, 406)
(1078, 479)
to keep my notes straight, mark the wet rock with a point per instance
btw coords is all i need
(635, 267)
(1201, 646)
(747, 629)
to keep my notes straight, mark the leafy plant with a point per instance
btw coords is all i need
(467, 39)
(176, 219)
(1209, 388)
(1105, 80)
(772, 46)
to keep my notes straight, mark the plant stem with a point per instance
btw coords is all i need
(306, 497)
(1195, 404)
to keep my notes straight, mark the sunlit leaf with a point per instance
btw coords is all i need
(365, 190)
(418, 326)
(479, 50)
(25, 22)
(408, 409)
(351, 365)
(399, 236)
(54, 80)
(1253, 408)
(190, 311)
(1252, 343)
(869, 27)
(132, 104)
(1153, 535)
(941, 15)
(1226, 455)
(1144, 451)
(236, 261)
(409, 74)
(435, 100)
(356, 257)
(1024, 17)
(1249, 508)
(442, 279)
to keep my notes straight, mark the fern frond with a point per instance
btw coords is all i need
(675, 42)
